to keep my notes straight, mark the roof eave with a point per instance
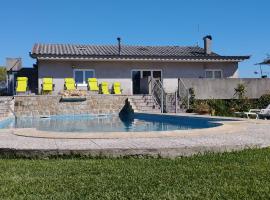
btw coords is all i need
(142, 58)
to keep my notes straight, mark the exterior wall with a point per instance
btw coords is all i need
(121, 71)
(224, 88)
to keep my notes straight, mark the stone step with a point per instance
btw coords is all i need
(2, 109)
(142, 97)
(139, 96)
(4, 114)
(144, 100)
(144, 103)
(150, 111)
(140, 103)
(147, 107)
(148, 98)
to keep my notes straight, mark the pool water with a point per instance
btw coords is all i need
(111, 123)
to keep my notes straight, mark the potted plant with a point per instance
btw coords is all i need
(202, 108)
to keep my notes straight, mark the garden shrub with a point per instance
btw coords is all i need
(242, 102)
(263, 101)
(191, 97)
(220, 107)
(240, 105)
(240, 91)
(227, 107)
(201, 107)
(224, 107)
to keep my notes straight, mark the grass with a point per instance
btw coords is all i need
(237, 175)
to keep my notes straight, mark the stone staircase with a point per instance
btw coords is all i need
(143, 103)
(6, 105)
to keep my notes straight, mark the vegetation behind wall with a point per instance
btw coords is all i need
(3, 74)
(228, 107)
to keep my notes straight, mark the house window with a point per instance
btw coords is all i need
(81, 76)
(213, 73)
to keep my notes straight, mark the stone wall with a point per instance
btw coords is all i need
(52, 105)
(224, 88)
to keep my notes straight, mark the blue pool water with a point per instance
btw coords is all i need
(111, 123)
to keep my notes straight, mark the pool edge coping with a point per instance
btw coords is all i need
(226, 127)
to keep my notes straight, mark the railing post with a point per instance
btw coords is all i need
(162, 99)
(178, 87)
(187, 98)
(176, 101)
(151, 79)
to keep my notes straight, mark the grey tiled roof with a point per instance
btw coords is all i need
(111, 51)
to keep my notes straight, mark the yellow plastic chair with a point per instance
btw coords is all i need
(70, 84)
(117, 88)
(47, 85)
(22, 84)
(93, 84)
(105, 88)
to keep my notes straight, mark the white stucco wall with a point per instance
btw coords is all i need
(121, 71)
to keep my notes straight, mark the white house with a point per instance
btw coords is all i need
(131, 64)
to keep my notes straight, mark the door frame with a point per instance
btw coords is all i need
(141, 70)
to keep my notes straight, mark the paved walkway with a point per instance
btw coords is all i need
(253, 133)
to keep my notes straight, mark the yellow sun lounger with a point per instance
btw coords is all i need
(70, 84)
(22, 84)
(93, 84)
(117, 88)
(47, 85)
(105, 88)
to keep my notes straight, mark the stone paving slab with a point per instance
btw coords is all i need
(115, 143)
(38, 143)
(75, 144)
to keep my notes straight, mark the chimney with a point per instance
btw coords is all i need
(119, 45)
(207, 44)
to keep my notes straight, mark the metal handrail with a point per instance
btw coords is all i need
(157, 91)
(183, 92)
(161, 97)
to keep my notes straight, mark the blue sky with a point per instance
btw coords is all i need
(238, 27)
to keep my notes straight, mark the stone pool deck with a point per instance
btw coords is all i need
(229, 137)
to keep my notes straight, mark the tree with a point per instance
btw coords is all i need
(3, 73)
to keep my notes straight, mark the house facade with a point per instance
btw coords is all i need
(131, 65)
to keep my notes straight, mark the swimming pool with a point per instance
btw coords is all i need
(111, 123)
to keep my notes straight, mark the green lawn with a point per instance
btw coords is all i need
(242, 175)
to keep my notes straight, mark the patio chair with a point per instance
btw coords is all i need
(105, 88)
(252, 112)
(264, 113)
(93, 84)
(22, 85)
(47, 85)
(117, 88)
(70, 84)
(257, 112)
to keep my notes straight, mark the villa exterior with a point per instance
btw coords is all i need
(131, 65)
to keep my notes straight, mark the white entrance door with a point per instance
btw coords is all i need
(140, 79)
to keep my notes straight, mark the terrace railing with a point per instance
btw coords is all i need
(168, 102)
(158, 93)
